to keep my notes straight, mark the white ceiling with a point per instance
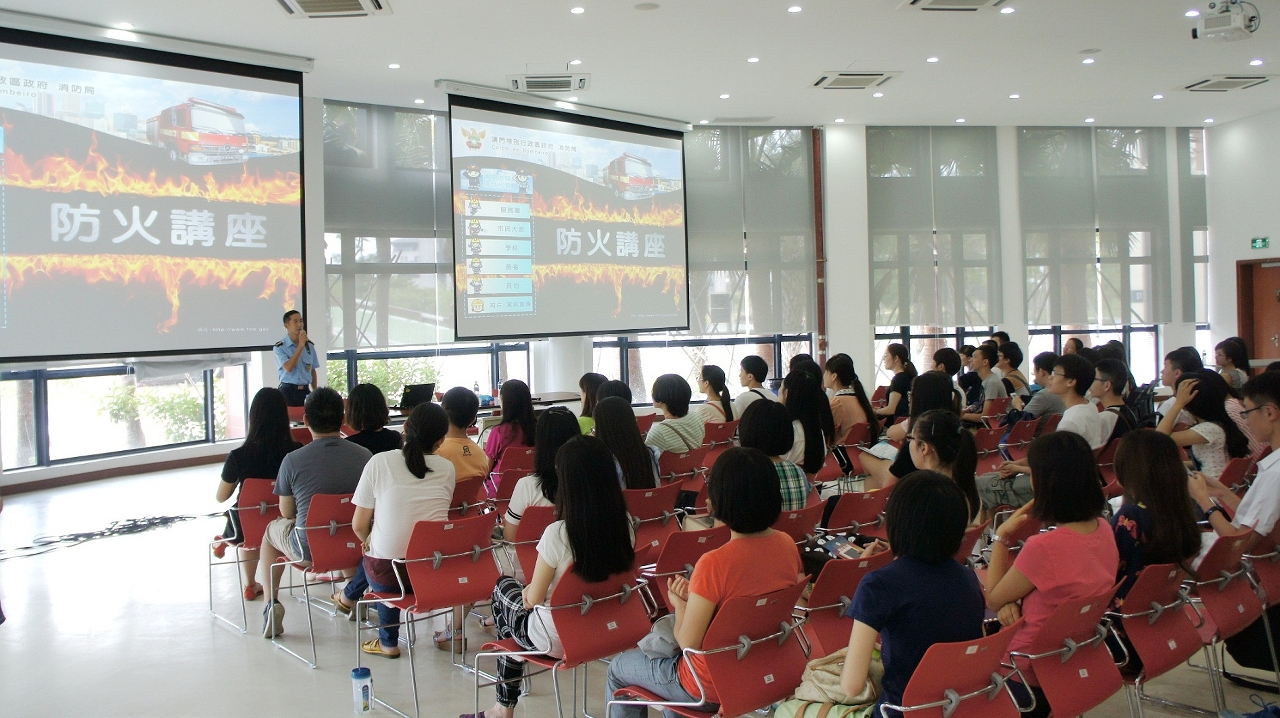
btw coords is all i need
(675, 61)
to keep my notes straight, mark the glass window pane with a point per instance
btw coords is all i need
(1200, 242)
(885, 297)
(1199, 152)
(391, 375)
(346, 135)
(1140, 294)
(1123, 152)
(1200, 273)
(606, 361)
(469, 370)
(1037, 294)
(336, 338)
(1039, 344)
(104, 414)
(415, 140)
(17, 416)
(229, 389)
(513, 364)
(1143, 362)
(649, 363)
(172, 409)
(415, 315)
(367, 249)
(332, 248)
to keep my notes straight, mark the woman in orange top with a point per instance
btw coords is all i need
(850, 404)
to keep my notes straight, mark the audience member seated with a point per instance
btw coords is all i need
(1072, 346)
(850, 404)
(592, 535)
(1009, 357)
(616, 427)
(968, 381)
(752, 372)
(719, 406)
(516, 428)
(328, 465)
(984, 360)
(810, 412)
(1213, 439)
(1232, 358)
(931, 390)
(898, 361)
(399, 489)
(1176, 363)
(265, 444)
(1110, 377)
(767, 426)
(613, 387)
(461, 404)
(1077, 558)
(589, 385)
(556, 427)
(680, 430)
(367, 413)
(923, 596)
(743, 494)
(806, 363)
(940, 444)
(948, 361)
(1042, 403)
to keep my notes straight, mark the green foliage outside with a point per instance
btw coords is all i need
(389, 375)
(178, 409)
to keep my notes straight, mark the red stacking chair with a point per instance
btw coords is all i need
(296, 414)
(677, 557)
(468, 497)
(347, 431)
(1263, 564)
(801, 524)
(951, 675)
(859, 435)
(529, 531)
(653, 517)
(1157, 627)
(830, 471)
(1051, 424)
(594, 621)
(987, 442)
(999, 407)
(860, 513)
(1029, 528)
(301, 434)
(515, 463)
(827, 624)
(256, 507)
(1235, 475)
(880, 397)
(1020, 437)
(719, 433)
(334, 548)
(1070, 656)
(1227, 597)
(448, 563)
(970, 540)
(645, 422)
(687, 468)
(749, 653)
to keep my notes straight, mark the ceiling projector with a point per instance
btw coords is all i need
(1228, 22)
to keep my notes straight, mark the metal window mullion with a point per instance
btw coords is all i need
(353, 369)
(40, 407)
(210, 412)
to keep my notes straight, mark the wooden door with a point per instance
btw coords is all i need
(1265, 341)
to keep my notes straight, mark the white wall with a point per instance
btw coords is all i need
(1244, 202)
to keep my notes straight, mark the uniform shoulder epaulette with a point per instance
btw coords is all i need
(280, 343)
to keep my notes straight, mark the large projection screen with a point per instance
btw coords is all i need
(565, 224)
(149, 203)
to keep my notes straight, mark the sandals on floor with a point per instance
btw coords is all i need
(252, 592)
(374, 647)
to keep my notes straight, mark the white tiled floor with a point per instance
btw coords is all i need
(119, 626)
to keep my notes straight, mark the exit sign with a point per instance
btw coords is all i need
(1261, 242)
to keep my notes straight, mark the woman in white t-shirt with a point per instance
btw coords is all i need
(1214, 439)
(401, 488)
(556, 426)
(592, 536)
(719, 406)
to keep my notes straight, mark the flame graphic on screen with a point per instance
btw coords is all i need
(98, 175)
(171, 272)
(579, 209)
(672, 277)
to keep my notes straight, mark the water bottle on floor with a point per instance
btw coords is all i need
(362, 690)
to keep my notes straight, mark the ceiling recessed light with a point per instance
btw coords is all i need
(1191, 13)
(753, 59)
(1087, 61)
(1014, 96)
(960, 120)
(1209, 121)
(794, 8)
(1006, 11)
(419, 101)
(1157, 97)
(394, 66)
(1255, 62)
(573, 99)
(575, 62)
(839, 119)
(931, 59)
(724, 96)
(577, 10)
(1088, 120)
(704, 122)
(125, 25)
(878, 94)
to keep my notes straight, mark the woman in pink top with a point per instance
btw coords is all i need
(517, 427)
(1076, 559)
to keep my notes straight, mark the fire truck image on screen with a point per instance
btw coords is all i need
(199, 132)
(631, 177)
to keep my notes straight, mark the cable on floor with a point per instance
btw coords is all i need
(44, 544)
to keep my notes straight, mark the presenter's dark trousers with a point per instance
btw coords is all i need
(294, 395)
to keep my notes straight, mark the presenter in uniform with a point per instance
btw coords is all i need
(295, 360)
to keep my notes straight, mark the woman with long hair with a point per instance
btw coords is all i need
(931, 390)
(767, 426)
(555, 427)
(517, 426)
(1232, 358)
(616, 426)
(719, 406)
(815, 429)
(939, 442)
(592, 534)
(367, 413)
(898, 361)
(589, 385)
(265, 444)
(1215, 438)
(401, 488)
(850, 404)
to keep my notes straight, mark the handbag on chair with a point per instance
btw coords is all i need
(820, 696)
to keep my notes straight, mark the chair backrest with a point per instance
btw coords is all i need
(1162, 639)
(971, 536)
(532, 524)
(799, 524)
(768, 671)
(962, 668)
(645, 422)
(859, 435)
(654, 510)
(999, 405)
(987, 442)
(830, 471)
(256, 506)
(686, 468)
(682, 549)
(515, 458)
(1235, 472)
(468, 497)
(829, 625)
(301, 434)
(1088, 676)
(879, 396)
(296, 413)
(1264, 563)
(1051, 423)
(861, 509)
(1231, 604)
(330, 538)
(719, 433)
(466, 570)
(613, 621)
(347, 431)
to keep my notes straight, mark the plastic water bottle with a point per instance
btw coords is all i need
(362, 690)
(476, 388)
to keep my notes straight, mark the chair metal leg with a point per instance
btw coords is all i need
(243, 626)
(1141, 695)
(310, 624)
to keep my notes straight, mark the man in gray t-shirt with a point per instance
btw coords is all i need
(1043, 403)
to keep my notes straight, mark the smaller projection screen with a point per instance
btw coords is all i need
(149, 203)
(565, 224)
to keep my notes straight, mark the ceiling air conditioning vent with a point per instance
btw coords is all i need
(548, 83)
(740, 120)
(1227, 83)
(317, 9)
(950, 5)
(850, 80)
